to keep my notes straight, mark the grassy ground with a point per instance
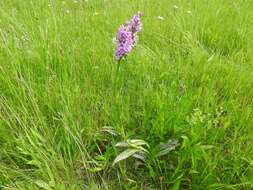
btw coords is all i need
(189, 80)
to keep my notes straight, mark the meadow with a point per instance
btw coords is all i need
(177, 114)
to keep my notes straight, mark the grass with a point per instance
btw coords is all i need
(189, 79)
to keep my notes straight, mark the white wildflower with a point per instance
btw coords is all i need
(114, 40)
(160, 18)
(175, 7)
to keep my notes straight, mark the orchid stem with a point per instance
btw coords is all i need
(116, 75)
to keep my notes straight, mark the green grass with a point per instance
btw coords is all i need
(188, 79)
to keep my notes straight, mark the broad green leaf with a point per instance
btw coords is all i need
(42, 184)
(138, 142)
(122, 144)
(124, 155)
(140, 155)
(110, 130)
(165, 148)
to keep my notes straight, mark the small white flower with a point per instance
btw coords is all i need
(160, 18)
(175, 7)
(114, 40)
(86, 1)
(96, 13)
(189, 12)
(67, 11)
(75, 1)
(49, 5)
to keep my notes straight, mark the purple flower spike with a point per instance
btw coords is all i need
(124, 42)
(127, 37)
(135, 24)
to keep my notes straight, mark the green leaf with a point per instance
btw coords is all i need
(176, 185)
(165, 148)
(122, 144)
(42, 184)
(140, 155)
(124, 155)
(110, 130)
(151, 171)
(34, 163)
(135, 143)
(138, 142)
